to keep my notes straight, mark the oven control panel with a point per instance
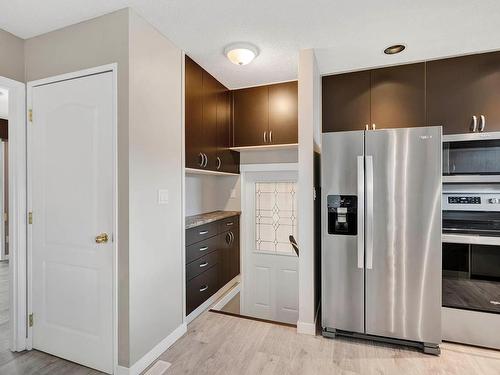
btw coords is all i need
(464, 200)
(471, 201)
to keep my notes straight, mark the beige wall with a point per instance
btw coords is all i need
(11, 56)
(269, 156)
(99, 41)
(205, 193)
(156, 277)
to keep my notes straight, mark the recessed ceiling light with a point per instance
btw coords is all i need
(241, 53)
(392, 50)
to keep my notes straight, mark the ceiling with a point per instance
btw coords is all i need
(346, 35)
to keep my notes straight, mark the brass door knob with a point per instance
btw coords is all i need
(102, 238)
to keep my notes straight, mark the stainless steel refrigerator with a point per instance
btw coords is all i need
(381, 235)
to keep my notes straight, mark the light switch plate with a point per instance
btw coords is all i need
(162, 196)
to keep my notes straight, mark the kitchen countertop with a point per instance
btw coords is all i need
(197, 220)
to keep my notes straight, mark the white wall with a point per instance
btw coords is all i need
(155, 159)
(309, 134)
(205, 193)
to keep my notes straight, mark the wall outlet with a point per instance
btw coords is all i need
(162, 196)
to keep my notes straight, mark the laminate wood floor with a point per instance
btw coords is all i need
(28, 362)
(221, 344)
(233, 306)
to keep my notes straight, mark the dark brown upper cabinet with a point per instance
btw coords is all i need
(251, 116)
(194, 114)
(389, 98)
(398, 96)
(283, 113)
(208, 122)
(266, 115)
(346, 101)
(209, 141)
(227, 160)
(460, 90)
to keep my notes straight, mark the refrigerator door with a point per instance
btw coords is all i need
(403, 233)
(342, 174)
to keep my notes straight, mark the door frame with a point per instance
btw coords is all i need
(113, 68)
(17, 213)
(246, 218)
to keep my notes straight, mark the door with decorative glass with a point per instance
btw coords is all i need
(270, 264)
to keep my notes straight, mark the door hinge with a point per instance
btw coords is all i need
(30, 217)
(30, 320)
(30, 115)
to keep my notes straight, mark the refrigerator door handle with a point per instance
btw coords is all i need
(361, 212)
(369, 212)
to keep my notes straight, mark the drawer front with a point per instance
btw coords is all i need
(201, 288)
(231, 223)
(200, 233)
(201, 249)
(201, 265)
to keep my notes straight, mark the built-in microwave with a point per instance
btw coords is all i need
(471, 154)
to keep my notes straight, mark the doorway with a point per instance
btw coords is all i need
(269, 259)
(5, 324)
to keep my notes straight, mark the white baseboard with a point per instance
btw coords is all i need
(153, 354)
(206, 305)
(227, 297)
(308, 328)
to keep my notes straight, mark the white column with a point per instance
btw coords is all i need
(309, 131)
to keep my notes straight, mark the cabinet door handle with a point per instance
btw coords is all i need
(206, 160)
(474, 123)
(204, 248)
(203, 264)
(271, 136)
(367, 127)
(231, 236)
(202, 232)
(265, 137)
(228, 238)
(374, 126)
(202, 159)
(483, 123)
(229, 224)
(219, 163)
(203, 288)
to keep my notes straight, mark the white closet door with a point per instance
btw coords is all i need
(71, 177)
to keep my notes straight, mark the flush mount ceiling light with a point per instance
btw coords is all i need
(241, 53)
(396, 48)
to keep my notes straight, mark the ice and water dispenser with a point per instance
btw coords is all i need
(342, 214)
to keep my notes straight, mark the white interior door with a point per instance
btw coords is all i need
(270, 288)
(71, 171)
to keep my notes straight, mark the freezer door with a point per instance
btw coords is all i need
(403, 233)
(342, 259)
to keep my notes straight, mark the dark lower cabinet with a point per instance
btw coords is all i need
(212, 259)
(229, 266)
